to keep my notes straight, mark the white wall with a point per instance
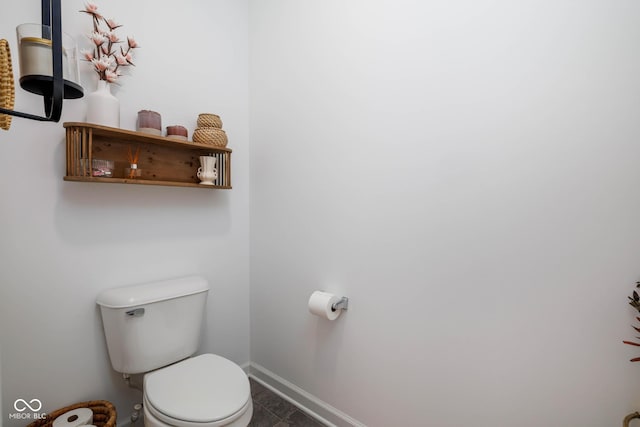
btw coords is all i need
(464, 171)
(62, 242)
(467, 173)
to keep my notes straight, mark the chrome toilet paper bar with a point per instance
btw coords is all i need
(343, 304)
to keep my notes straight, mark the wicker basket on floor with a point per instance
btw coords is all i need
(104, 414)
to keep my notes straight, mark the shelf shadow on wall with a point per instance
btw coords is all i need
(107, 213)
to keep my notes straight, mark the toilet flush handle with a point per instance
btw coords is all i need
(136, 312)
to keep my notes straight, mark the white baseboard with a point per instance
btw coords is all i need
(308, 403)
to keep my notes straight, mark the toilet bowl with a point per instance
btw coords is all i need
(204, 391)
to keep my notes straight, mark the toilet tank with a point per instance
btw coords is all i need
(152, 325)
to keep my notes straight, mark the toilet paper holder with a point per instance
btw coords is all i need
(343, 304)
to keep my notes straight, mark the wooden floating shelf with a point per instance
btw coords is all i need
(142, 182)
(162, 161)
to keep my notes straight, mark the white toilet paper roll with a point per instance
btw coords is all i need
(320, 305)
(77, 417)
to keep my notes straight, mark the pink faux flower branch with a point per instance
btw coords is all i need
(109, 53)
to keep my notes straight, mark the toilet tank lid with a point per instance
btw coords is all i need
(147, 293)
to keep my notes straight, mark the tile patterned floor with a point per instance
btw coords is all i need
(270, 410)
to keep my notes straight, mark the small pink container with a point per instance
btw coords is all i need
(177, 132)
(149, 122)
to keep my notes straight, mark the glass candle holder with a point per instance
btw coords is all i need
(36, 62)
(102, 168)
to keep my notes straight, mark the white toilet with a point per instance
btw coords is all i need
(152, 326)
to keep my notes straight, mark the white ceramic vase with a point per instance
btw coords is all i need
(102, 107)
(207, 172)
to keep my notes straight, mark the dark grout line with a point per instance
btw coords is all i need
(267, 410)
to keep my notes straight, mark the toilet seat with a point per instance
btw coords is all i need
(204, 391)
(152, 418)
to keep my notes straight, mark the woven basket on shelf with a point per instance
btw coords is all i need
(7, 89)
(207, 120)
(104, 414)
(212, 136)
